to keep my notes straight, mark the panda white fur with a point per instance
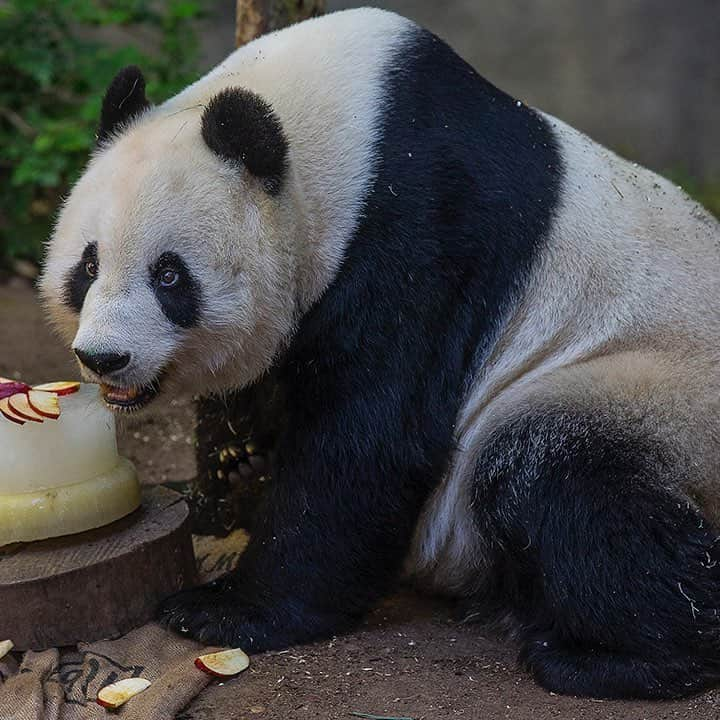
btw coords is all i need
(492, 346)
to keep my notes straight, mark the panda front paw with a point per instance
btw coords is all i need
(243, 464)
(249, 455)
(213, 614)
(219, 614)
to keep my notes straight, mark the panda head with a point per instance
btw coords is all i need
(173, 262)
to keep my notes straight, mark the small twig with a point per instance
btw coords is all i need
(18, 122)
(182, 127)
(693, 608)
(617, 189)
(127, 97)
(181, 110)
(368, 716)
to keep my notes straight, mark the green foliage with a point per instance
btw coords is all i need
(54, 68)
(706, 193)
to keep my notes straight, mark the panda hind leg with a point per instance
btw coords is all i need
(613, 578)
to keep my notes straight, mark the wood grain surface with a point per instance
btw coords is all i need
(97, 584)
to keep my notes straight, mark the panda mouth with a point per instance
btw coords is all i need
(131, 398)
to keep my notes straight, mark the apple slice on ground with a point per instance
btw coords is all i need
(5, 647)
(59, 388)
(20, 405)
(8, 413)
(117, 694)
(223, 664)
(43, 403)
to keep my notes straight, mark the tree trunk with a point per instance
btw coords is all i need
(232, 467)
(257, 17)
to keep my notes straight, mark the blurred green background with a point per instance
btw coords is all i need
(640, 77)
(56, 59)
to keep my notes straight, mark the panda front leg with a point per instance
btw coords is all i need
(233, 438)
(612, 572)
(329, 539)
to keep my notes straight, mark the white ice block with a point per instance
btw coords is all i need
(63, 476)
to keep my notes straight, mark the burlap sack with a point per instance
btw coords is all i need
(63, 684)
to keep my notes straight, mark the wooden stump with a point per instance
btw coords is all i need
(97, 584)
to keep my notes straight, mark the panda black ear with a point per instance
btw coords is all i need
(239, 125)
(124, 100)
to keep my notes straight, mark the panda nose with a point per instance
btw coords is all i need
(103, 363)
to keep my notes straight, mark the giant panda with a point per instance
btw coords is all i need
(490, 344)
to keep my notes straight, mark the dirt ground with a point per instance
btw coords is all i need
(409, 660)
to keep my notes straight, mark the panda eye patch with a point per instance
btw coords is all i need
(176, 290)
(81, 277)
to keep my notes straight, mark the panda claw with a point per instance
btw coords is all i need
(212, 614)
(229, 454)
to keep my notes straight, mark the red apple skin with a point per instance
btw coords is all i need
(11, 418)
(10, 414)
(202, 666)
(25, 415)
(12, 388)
(119, 696)
(59, 388)
(205, 668)
(108, 705)
(52, 415)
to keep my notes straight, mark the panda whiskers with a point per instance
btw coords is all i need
(182, 110)
(180, 129)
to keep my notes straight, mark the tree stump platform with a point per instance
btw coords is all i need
(97, 584)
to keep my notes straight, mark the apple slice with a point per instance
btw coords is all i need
(8, 413)
(20, 405)
(11, 388)
(64, 387)
(117, 694)
(223, 664)
(43, 403)
(5, 647)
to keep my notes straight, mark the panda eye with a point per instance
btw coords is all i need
(91, 268)
(168, 277)
(89, 261)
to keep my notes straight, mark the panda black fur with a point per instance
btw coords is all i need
(490, 348)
